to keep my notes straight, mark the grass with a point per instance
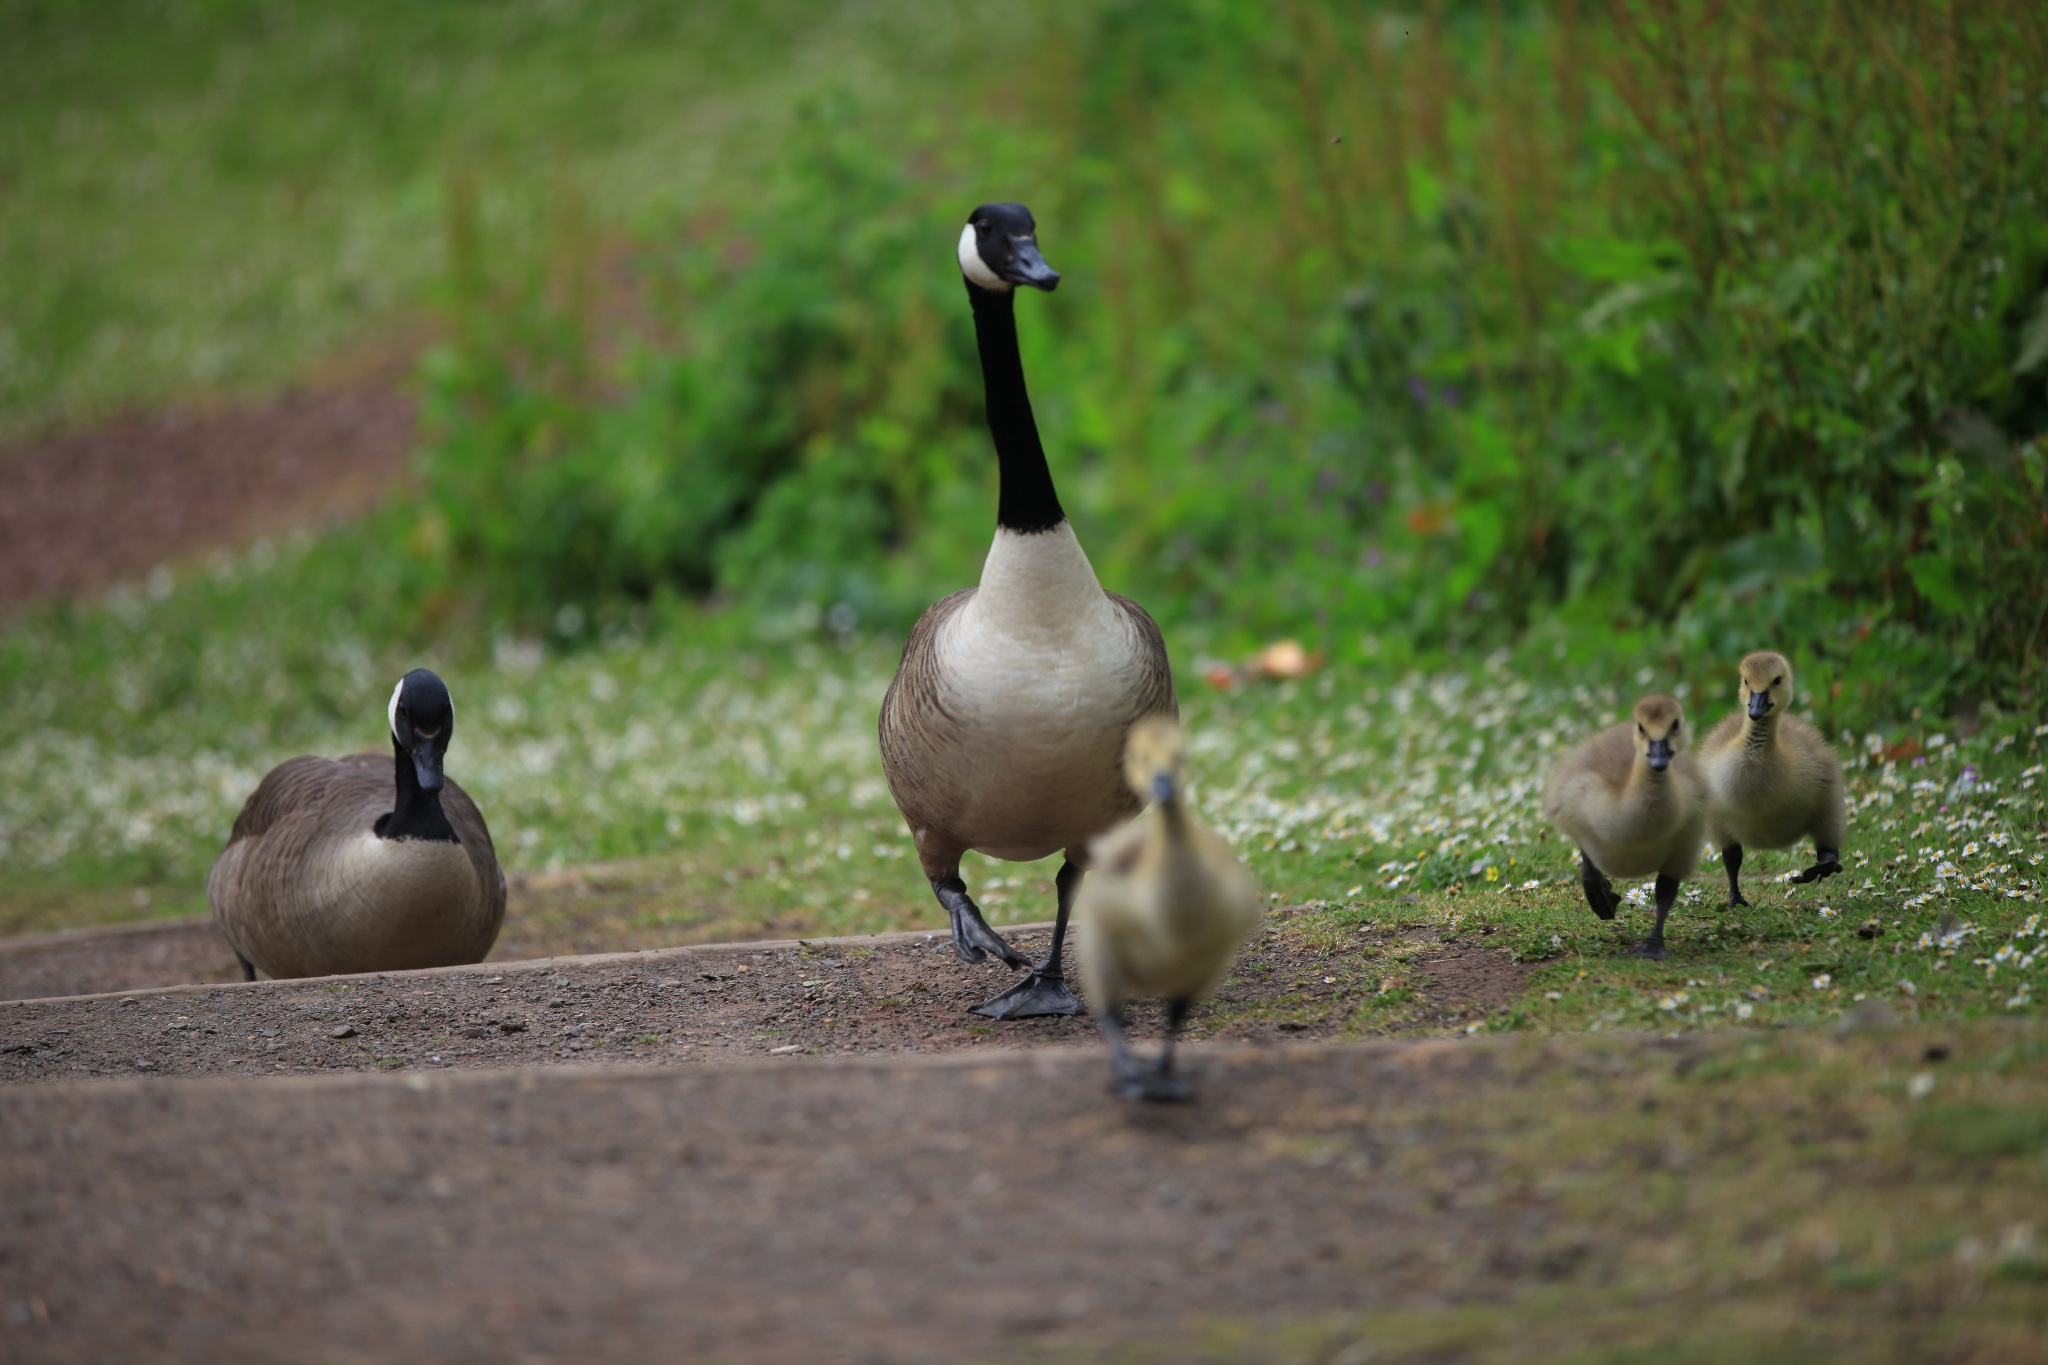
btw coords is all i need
(208, 198)
(684, 776)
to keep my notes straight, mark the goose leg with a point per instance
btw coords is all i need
(248, 967)
(1731, 858)
(972, 938)
(1599, 891)
(1653, 946)
(1044, 990)
(1826, 863)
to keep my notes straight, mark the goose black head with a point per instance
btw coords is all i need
(1766, 683)
(1660, 730)
(999, 250)
(422, 723)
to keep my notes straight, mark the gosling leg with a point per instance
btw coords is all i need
(1127, 1081)
(248, 967)
(1653, 946)
(1731, 859)
(1163, 1085)
(1044, 990)
(972, 938)
(1826, 863)
(1599, 891)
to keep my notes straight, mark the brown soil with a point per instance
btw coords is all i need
(121, 957)
(895, 993)
(892, 1210)
(83, 510)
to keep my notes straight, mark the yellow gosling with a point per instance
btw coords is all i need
(1164, 913)
(1771, 779)
(1634, 803)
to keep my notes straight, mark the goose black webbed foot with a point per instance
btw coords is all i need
(972, 938)
(1043, 992)
(1652, 948)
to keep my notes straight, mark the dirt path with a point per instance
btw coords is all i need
(891, 1211)
(83, 510)
(889, 994)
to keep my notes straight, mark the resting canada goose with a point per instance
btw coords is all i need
(1771, 779)
(1165, 912)
(1004, 728)
(340, 866)
(1635, 805)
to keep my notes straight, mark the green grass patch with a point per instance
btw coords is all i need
(218, 196)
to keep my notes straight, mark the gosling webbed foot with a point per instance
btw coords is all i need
(1043, 992)
(972, 938)
(1827, 865)
(1153, 1086)
(1599, 891)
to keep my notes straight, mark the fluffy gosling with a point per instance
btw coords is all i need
(1771, 779)
(1164, 913)
(1635, 805)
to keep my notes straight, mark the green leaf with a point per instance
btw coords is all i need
(1935, 577)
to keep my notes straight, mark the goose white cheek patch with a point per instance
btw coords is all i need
(392, 710)
(975, 268)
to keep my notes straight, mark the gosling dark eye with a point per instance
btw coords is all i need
(1775, 681)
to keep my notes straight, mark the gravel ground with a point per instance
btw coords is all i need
(888, 1210)
(899, 993)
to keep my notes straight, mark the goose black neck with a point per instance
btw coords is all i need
(417, 813)
(1027, 502)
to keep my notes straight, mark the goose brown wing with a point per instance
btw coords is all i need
(914, 720)
(302, 784)
(1156, 695)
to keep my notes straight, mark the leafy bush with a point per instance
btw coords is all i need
(1718, 328)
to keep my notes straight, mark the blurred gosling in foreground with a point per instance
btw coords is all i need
(1634, 805)
(1771, 779)
(1165, 912)
(365, 864)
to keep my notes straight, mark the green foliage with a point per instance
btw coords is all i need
(1409, 335)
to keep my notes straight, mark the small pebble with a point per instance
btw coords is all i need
(785, 1051)
(343, 1031)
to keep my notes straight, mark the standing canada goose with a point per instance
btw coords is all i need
(1166, 911)
(1004, 728)
(1634, 805)
(362, 864)
(1771, 779)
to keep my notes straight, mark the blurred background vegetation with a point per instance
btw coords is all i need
(1407, 333)
(1662, 326)
(1624, 338)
